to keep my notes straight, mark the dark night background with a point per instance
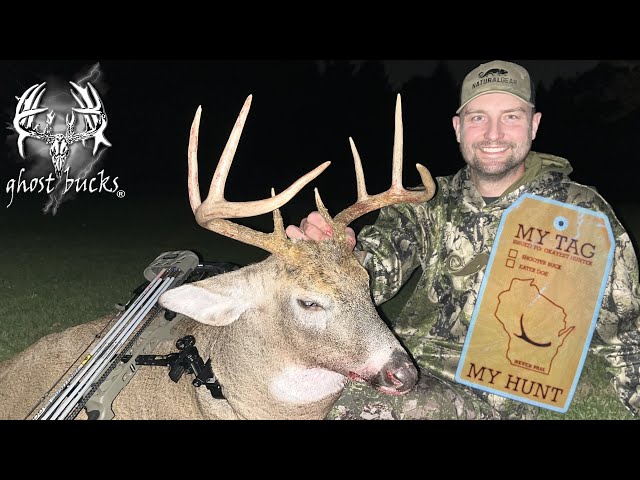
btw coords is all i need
(302, 114)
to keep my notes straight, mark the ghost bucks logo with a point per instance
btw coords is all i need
(70, 167)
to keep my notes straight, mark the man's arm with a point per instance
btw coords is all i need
(618, 329)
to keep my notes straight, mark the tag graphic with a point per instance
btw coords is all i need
(538, 303)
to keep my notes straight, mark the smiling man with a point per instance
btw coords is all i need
(495, 130)
(451, 236)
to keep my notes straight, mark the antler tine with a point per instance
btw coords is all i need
(322, 210)
(278, 223)
(398, 144)
(360, 183)
(396, 193)
(216, 190)
(213, 212)
(26, 111)
(192, 155)
(93, 112)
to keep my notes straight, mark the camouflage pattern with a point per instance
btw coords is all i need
(450, 238)
(431, 399)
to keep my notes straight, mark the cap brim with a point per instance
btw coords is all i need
(494, 91)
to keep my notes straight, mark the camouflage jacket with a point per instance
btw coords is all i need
(450, 238)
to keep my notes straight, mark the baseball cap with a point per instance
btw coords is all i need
(497, 76)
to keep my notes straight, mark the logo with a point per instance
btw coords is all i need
(498, 75)
(91, 107)
(68, 141)
(493, 72)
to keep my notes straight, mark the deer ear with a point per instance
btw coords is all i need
(211, 306)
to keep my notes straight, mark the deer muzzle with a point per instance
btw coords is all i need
(396, 377)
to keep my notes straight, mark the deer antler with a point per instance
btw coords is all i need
(26, 110)
(211, 213)
(396, 193)
(94, 117)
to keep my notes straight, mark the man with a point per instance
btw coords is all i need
(450, 238)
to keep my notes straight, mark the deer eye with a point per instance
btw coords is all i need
(309, 305)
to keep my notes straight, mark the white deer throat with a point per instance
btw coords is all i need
(299, 385)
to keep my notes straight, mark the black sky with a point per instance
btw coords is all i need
(545, 71)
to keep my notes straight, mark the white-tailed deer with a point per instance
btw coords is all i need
(284, 335)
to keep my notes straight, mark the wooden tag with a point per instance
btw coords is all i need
(538, 303)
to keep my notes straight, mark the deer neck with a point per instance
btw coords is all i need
(262, 383)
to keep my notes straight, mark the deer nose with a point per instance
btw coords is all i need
(397, 376)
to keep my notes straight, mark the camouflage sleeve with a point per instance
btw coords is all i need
(390, 250)
(617, 335)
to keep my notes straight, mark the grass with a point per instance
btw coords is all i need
(72, 268)
(59, 271)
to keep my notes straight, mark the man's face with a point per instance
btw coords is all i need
(495, 132)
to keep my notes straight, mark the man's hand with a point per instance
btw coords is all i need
(314, 227)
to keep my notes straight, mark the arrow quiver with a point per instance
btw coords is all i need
(136, 330)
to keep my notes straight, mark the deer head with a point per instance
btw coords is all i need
(292, 328)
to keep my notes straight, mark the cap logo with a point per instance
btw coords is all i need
(493, 75)
(493, 72)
